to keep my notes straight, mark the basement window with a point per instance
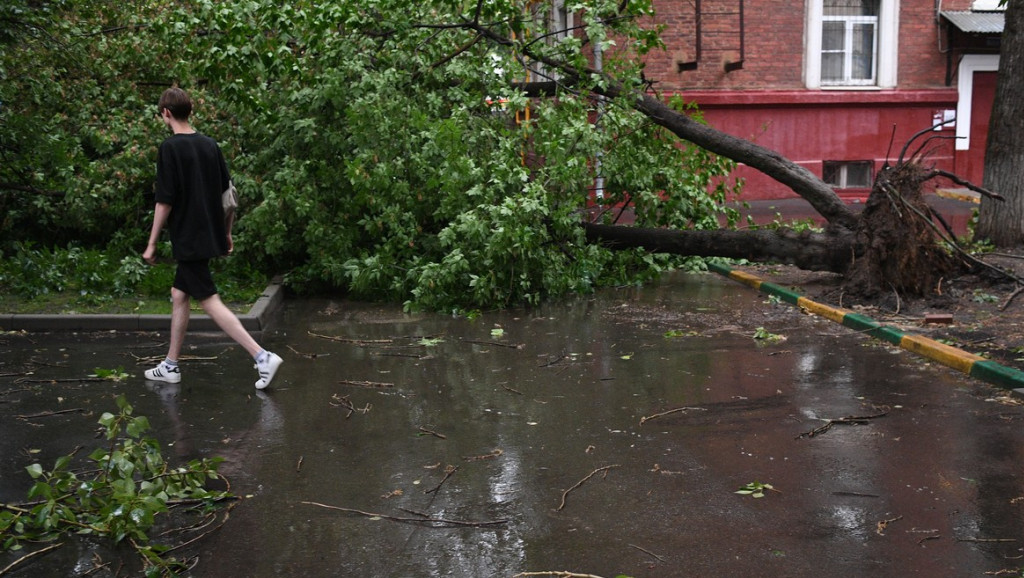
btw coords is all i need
(848, 174)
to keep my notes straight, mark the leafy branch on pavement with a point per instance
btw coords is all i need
(119, 499)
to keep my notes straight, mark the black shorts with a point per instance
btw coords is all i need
(195, 279)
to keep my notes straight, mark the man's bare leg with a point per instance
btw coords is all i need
(229, 323)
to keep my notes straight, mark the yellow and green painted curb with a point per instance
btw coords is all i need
(973, 365)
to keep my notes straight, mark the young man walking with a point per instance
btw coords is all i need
(191, 176)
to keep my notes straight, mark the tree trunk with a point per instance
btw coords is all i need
(892, 248)
(830, 251)
(1002, 223)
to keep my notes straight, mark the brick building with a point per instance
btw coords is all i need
(828, 83)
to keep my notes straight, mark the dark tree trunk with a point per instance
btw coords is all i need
(830, 251)
(1003, 222)
(892, 248)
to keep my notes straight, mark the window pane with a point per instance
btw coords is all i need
(847, 174)
(851, 7)
(858, 175)
(863, 51)
(833, 35)
(832, 68)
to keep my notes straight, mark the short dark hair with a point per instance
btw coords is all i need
(177, 101)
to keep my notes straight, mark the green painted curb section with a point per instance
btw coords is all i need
(994, 373)
(973, 365)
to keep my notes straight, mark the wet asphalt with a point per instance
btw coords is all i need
(602, 436)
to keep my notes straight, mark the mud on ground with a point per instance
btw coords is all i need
(987, 308)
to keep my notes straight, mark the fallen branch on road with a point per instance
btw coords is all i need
(435, 522)
(669, 412)
(848, 420)
(581, 482)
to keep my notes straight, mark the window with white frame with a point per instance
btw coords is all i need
(847, 174)
(851, 43)
(849, 33)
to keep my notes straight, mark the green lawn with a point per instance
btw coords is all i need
(72, 303)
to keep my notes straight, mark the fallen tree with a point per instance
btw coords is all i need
(895, 244)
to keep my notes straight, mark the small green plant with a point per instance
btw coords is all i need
(119, 499)
(680, 333)
(982, 297)
(118, 374)
(763, 335)
(755, 489)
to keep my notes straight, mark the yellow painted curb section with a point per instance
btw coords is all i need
(830, 313)
(746, 278)
(950, 356)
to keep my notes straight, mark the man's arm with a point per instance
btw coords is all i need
(229, 222)
(160, 215)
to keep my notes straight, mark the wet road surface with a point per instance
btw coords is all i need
(602, 436)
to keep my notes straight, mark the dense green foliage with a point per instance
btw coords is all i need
(379, 146)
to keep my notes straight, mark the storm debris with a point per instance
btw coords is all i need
(583, 481)
(848, 420)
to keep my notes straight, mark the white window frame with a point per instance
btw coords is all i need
(969, 64)
(558, 22)
(885, 53)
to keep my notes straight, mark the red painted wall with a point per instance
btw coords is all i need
(767, 102)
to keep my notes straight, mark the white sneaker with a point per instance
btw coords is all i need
(268, 369)
(164, 372)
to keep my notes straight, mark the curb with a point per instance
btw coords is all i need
(973, 365)
(256, 320)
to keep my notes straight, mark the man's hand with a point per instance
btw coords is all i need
(231, 244)
(149, 255)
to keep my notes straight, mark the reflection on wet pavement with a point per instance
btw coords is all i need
(643, 410)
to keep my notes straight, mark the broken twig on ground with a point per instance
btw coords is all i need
(848, 420)
(648, 552)
(669, 412)
(369, 384)
(51, 413)
(433, 433)
(352, 341)
(581, 482)
(557, 574)
(435, 522)
(8, 568)
(448, 472)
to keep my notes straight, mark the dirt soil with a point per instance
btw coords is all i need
(986, 307)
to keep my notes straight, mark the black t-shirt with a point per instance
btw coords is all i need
(191, 176)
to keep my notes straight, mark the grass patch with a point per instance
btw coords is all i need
(78, 281)
(73, 304)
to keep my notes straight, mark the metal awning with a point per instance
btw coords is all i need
(976, 22)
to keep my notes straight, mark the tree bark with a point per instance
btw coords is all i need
(833, 250)
(1002, 223)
